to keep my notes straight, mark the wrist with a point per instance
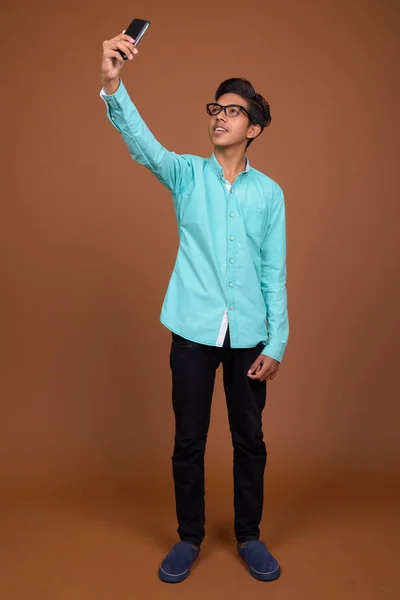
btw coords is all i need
(110, 85)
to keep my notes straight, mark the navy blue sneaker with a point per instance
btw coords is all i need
(176, 565)
(262, 565)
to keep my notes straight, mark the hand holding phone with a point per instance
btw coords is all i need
(123, 46)
(136, 30)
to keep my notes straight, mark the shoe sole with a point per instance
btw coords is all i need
(262, 576)
(167, 578)
(265, 576)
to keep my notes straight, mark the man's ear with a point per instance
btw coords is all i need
(253, 131)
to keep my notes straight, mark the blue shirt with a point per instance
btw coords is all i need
(231, 262)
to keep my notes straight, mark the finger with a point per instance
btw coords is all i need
(255, 365)
(121, 36)
(264, 373)
(114, 54)
(256, 369)
(128, 39)
(111, 52)
(259, 375)
(125, 48)
(124, 39)
(271, 375)
(254, 372)
(130, 45)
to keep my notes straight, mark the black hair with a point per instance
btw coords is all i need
(258, 107)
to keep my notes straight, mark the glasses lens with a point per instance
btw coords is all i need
(214, 109)
(233, 110)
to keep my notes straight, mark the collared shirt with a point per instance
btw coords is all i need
(231, 262)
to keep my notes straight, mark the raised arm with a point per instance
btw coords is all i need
(173, 170)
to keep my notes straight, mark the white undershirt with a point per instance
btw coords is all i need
(225, 319)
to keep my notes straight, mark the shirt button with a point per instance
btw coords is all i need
(231, 260)
(232, 215)
(231, 307)
(231, 284)
(112, 118)
(231, 238)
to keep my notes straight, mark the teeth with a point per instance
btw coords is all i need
(219, 129)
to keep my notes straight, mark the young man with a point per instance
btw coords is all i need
(228, 280)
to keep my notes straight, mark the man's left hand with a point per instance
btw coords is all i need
(263, 368)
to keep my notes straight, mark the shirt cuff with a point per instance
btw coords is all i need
(274, 350)
(115, 95)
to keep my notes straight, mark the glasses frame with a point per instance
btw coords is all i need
(242, 110)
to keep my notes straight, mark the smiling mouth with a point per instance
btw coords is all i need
(220, 130)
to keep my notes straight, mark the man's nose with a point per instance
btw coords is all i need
(221, 116)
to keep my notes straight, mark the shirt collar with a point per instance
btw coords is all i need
(216, 167)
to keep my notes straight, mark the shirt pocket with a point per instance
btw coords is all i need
(186, 210)
(253, 219)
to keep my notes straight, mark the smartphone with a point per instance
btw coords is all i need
(136, 30)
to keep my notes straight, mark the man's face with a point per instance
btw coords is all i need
(226, 131)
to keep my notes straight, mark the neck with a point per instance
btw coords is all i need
(232, 161)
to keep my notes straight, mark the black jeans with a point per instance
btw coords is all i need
(193, 368)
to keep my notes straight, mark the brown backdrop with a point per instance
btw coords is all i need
(88, 243)
(89, 238)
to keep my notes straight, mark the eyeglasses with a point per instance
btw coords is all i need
(231, 110)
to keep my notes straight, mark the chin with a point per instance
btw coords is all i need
(218, 143)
